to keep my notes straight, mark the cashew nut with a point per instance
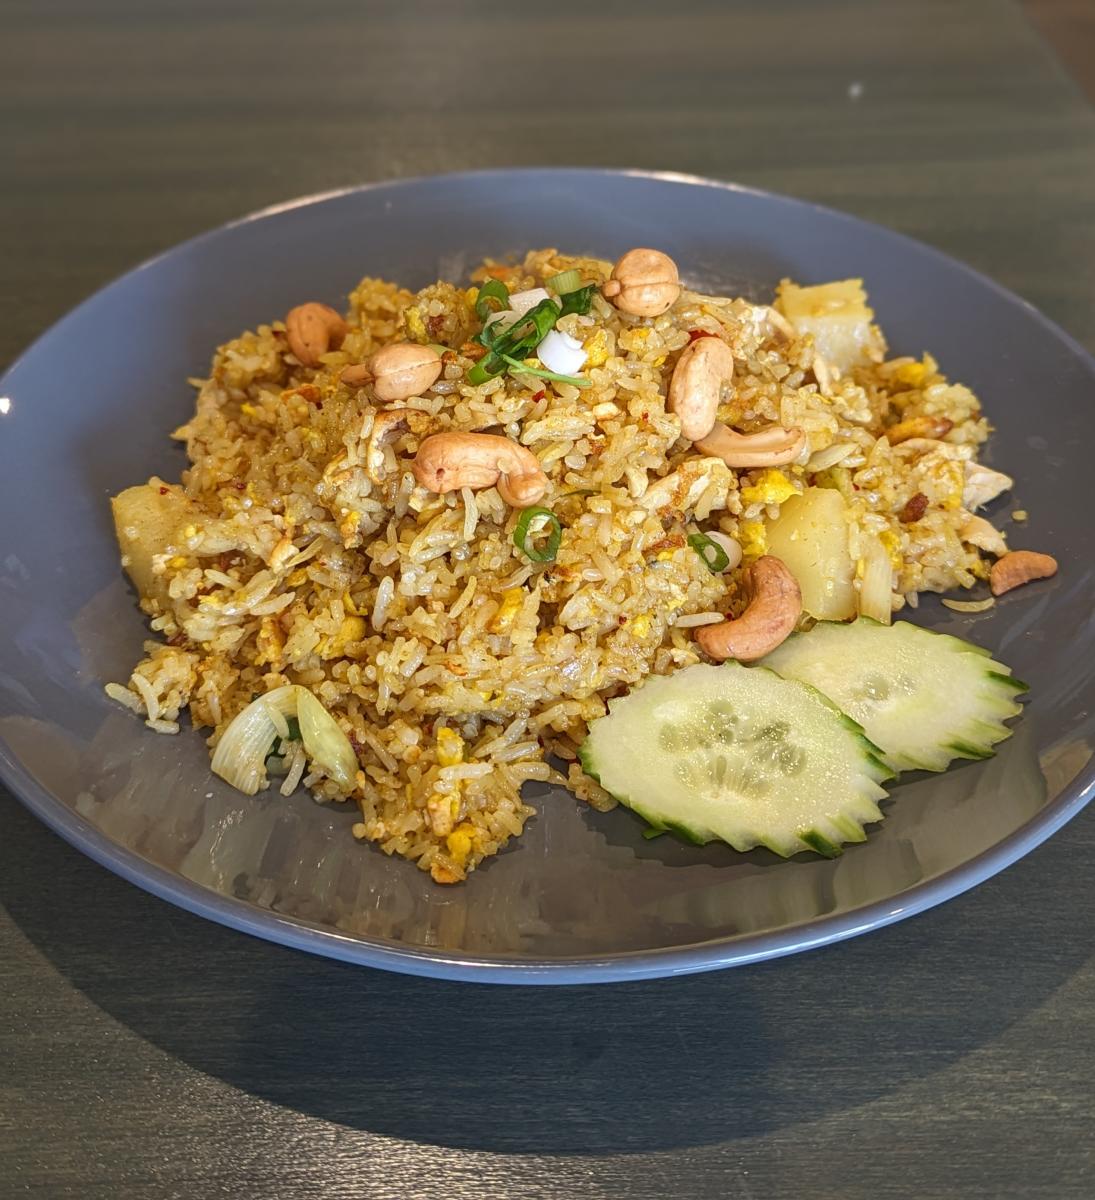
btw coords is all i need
(775, 605)
(447, 462)
(386, 426)
(918, 427)
(312, 330)
(397, 372)
(771, 447)
(356, 375)
(403, 370)
(644, 283)
(1018, 567)
(696, 385)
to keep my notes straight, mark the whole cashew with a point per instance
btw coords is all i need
(644, 283)
(447, 462)
(397, 372)
(771, 447)
(356, 375)
(775, 606)
(312, 330)
(1018, 567)
(696, 385)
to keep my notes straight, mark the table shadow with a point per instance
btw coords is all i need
(624, 1068)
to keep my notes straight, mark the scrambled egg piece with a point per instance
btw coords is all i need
(512, 599)
(460, 841)
(771, 487)
(640, 625)
(753, 538)
(450, 747)
(891, 544)
(416, 327)
(596, 348)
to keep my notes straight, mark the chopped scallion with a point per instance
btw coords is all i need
(578, 301)
(565, 281)
(531, 527)
(493, 297)
(715, 558)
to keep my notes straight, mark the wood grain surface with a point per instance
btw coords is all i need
(147, 1054)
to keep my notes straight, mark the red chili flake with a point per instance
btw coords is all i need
(163, 491)
(177, 639)
(435, 323)
(694, 335)
(239, 485)
(539, 395)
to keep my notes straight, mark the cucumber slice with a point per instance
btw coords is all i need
(925, 698)
(739, 755)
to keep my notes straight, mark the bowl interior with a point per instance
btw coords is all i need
(89, 409)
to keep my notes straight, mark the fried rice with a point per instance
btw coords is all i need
(458, 668)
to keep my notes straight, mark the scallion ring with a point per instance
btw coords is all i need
(715, 558)
(493, 297)
(532, 524)
(565, 281)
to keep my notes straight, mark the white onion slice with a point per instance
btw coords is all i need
(327, 747)
(561, 353)
(522, 302)
(240, 756)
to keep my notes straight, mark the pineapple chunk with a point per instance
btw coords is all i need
(810, 536)
(837, 316)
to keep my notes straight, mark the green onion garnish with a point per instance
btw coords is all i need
(531, 525)
(565, 281)
(493, 292)
(578, 301)
(516, 365)
(652, 831)
(715, 558)
(488, 367)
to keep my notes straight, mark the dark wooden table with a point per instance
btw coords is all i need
(144, 1053)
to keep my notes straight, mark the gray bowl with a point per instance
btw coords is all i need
(581, 897)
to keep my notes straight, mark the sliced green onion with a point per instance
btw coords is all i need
(493, 297)
(578, 301)
(715, 558)
(652, 831)
(488, 367)
(565, 281)
(533, 326)
(438, 348)
(531, 524)
(516, 365)
(294, 729)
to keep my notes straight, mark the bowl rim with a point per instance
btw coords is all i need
(631, 965)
